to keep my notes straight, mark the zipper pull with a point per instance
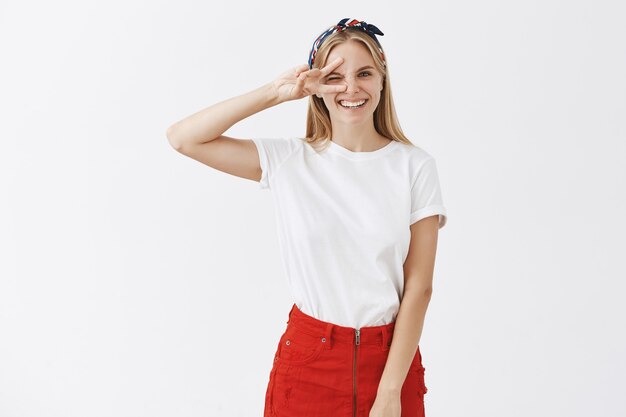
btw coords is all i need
(358, 336)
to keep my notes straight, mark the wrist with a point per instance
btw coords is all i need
(273, 95)
(388, 391)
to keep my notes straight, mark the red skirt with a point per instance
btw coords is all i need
(325, 370)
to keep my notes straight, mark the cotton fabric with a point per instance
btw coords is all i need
(343, 221)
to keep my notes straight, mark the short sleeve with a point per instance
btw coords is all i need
(426, 199)
(272, 153)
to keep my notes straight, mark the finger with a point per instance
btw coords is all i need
(298, 86)
(332, 88)
(314, 72)
(300, 81)
(300, 68)
(331, 66)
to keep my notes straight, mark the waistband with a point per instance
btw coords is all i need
(334, 333)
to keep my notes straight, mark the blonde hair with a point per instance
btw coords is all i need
(318, 124)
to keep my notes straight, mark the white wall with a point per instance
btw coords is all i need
(138, 282)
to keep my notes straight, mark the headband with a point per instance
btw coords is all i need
(344, 24)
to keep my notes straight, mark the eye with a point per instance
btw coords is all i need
(367, 73)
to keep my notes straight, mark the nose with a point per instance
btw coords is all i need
(352, 84)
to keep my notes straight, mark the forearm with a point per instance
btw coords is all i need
(406, 336)
(211, 122)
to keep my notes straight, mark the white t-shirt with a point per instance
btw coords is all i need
(343, 222)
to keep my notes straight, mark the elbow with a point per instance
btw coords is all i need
(171, 138)
(419, 291)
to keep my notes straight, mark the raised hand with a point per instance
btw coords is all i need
(301, 82)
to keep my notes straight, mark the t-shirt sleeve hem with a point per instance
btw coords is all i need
(263, 182)
(430, 211)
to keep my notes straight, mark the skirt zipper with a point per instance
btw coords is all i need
(358, 341)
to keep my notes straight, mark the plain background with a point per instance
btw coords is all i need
(138, 282)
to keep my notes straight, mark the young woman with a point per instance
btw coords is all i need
(358, 212)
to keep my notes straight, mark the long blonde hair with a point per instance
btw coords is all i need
(318, 124)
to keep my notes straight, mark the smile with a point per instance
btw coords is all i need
(352, 104)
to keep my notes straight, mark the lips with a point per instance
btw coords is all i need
(351, 103)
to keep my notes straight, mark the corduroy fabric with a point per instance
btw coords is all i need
(319, 370)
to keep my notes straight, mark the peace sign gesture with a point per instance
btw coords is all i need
(301, 82)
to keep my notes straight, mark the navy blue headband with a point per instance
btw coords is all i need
(346, 23)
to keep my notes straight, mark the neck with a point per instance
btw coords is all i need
(357, 137)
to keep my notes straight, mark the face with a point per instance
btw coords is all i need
(363, 82)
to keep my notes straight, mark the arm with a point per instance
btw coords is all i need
(418, 277)
(209, 123)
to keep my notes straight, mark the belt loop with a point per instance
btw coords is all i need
(327, 334)
(291, 312)
(385, 338)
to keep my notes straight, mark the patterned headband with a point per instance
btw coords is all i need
(344, 24)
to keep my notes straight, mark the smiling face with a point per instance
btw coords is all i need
(363, 84)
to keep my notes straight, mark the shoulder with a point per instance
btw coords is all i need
(280, 142)
(281, 147)
(416, 155)
(273, 153)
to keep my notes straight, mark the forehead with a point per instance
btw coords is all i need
(354, 53)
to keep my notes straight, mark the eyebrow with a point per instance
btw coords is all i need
(360, 69)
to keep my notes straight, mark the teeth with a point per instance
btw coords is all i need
(345, 103)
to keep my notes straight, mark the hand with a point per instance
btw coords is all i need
(301, 82)
(386, 406)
